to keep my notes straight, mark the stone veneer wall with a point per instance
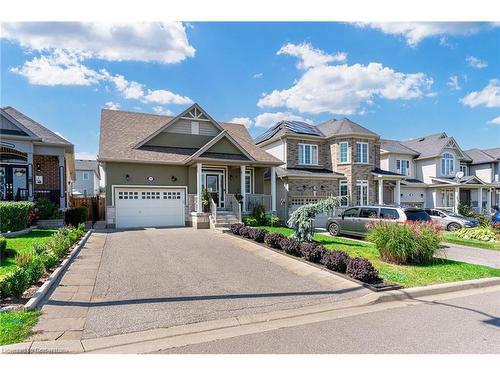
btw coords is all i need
(292, 154)
(49, 169)
(305, 188)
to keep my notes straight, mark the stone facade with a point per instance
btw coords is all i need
(48, 168)
(292, 153)
(312, 188)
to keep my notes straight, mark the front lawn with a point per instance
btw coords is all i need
(441, 271)
(15, 326)
(22, 244)
(453, 238)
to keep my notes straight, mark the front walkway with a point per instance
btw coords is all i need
(129, 281)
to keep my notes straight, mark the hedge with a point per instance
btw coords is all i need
(14, 216)
(76, 215)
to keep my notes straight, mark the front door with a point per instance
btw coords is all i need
(212, 184)
(13, 182)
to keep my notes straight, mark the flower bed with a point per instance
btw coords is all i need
(31, 265)
(353, 268)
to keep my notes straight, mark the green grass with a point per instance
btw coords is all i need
(441, 271)
(452, 238)
(15, 326)
(22, 244)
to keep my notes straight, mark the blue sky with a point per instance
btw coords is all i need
(399, 80)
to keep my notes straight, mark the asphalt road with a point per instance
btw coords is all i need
(167, 277)
(462, 325)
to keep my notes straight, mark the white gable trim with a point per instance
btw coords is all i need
(19, 125)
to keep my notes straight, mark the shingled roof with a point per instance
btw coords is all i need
(396, 147)
(480, 156)
(121, 131)
(431, 145)
(87, 165)
(343, 127)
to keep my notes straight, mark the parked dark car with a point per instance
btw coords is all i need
(353, 220)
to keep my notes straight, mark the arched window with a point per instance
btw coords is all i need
(447, 164)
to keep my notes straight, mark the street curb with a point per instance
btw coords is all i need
(144, 341)
(54, 277)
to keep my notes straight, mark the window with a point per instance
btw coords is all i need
(362, 192)
(308, 154)
(417, 215)
(403, 167)
(362, 152)
(248, 182)
(86, 176)
(368, 213)
(389, 214)
(351, 212)
(464, 169)
(195, 127)
(447, 164)
(343, 152)
(344, 193)
(448, 198)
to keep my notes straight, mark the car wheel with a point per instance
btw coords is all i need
(333, 228)
(453, 227)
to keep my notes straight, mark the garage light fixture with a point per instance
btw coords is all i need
(173, 178)
(127, 177)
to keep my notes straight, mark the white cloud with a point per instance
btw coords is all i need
(58, 68)
(112, 105)
(258, 75)
(159, 110)
(342, 89)
(164, 42)
(165, 97)
(247, 121)
(415, 32)
(453, 83)
(475, 62)
(495, 121)
(268, 119)
(309, 56)
(489, 96)
(84, 155)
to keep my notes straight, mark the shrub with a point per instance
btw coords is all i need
(274, 220)
(484, 219)
(273, 240)
(409, 243)
(14, 216)
(39, 248)
(312, 252)
(58, 244)
(3, 247)
(477, 233)
(49, 260)
(35, 269)
(291, 246)
(244, 232)
(46, 209)
(335, 260)
(235, 228)
(465, 210)
(14, 283)
(24, 259)
(250, 221)
(258, 234)
(76, 215)
(259, 214)
(362, 269)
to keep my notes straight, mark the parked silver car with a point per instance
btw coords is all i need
(353, 220)
(450, 220)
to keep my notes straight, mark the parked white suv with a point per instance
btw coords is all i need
(353, 220)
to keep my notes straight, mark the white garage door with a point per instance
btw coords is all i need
(136, 207)
(320, 220)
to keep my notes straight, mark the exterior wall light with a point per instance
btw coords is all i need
(127, 177)
(173, 178)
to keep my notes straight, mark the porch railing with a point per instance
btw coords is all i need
(236, 207)
(253, 200)
(213, 209)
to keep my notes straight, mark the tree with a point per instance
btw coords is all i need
(301, 219)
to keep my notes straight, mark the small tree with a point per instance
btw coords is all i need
(301, 219)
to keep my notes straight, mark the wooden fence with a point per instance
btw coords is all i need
(95, 205)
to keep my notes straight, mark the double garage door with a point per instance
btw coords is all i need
(147, 207)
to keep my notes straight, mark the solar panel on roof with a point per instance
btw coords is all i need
(303, 128)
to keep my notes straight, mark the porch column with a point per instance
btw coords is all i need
(480, 199)
(199, 207)
(30, 176)
(273, 189)
(456, 201)
(242, 186)
(397, 192)
(62, 183)
(380, 191)
(488, 201)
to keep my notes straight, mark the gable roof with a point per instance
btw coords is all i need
(87, 165)
(432, 145)
(344, 127)
(396, 147)
(494, 152)
(36, 128)
(122, 131)
(479, 156)
(289, 127)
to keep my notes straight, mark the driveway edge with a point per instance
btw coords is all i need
(54, 277)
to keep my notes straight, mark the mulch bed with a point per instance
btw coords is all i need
(380, 287)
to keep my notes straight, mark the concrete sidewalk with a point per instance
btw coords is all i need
(474, 255)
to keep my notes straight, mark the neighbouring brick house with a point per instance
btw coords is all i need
(337, 157)
(34, 161)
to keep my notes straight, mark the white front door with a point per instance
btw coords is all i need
(149, 207)
(214, 182)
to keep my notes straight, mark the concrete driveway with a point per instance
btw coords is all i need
(155, 278)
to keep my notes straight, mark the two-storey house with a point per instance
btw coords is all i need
(88, 178)
(337, 157)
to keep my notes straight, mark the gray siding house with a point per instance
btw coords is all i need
(87, 178)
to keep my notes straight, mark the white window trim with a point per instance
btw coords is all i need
(464, 168)
(398, 170)
(358, 157)
(249, 172)
(364, 183)
(447, 171)
(346, 183)
(85, 174)
(340, 153)
(314, 149)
